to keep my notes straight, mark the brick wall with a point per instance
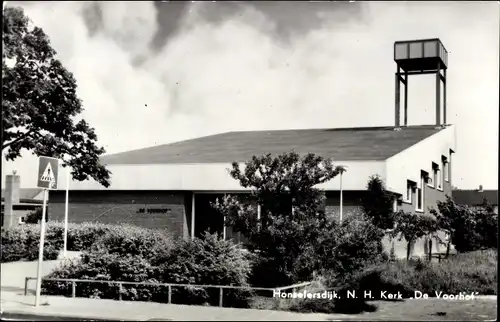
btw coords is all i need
(150, 209)
(431, 197)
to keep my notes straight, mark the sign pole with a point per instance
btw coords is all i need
(48, 168)
(40, 250)
(66, 214)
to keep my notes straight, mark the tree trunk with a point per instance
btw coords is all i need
(408, 249)
(448, 249)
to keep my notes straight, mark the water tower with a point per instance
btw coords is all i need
(419, 57)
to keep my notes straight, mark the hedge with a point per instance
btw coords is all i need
(21, 242)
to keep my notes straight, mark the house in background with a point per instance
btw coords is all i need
(17, 202)
(476, 197)
(171, 186)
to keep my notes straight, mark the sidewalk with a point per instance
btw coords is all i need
(16, 303)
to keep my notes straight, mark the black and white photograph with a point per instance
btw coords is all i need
(250, 160)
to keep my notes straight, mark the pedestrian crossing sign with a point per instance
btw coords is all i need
(47, 172)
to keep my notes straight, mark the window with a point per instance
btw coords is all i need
(420, 192)
(431, 182)
(437, 178)
(409, 192)
(445, 169)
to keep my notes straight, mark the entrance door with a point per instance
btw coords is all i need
(206, 218)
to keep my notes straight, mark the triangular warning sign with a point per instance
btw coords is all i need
(48, 174)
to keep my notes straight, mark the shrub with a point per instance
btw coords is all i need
(127, 240)
(82, 236)
(13, 245)
(351, 245)
(34, 216)
(100, 265)
(22, 243)
(206, 261)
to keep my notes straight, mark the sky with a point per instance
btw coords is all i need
(154, 73)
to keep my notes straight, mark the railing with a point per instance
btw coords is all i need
(120, 284)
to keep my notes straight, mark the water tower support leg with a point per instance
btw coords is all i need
(398, 118)
(438, 97)
(444, 98)
(406, 98)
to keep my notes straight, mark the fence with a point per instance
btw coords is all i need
(169, 286)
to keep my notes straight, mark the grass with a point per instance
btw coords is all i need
(433, 309)
(468, 272)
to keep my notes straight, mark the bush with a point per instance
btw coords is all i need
(82, 236)
(351, 245)
(34, 216)
(100, 265)
(469, 272)
(207, 261)
(22, 243)
(127, 240)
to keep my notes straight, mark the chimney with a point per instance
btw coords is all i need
(480, 188)
(12, 197)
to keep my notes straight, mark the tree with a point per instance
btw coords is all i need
(377, 204)
(469, 228)
(292, 216)
(411, 227)
(39, 102)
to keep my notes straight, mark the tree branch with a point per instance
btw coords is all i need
(20, 138)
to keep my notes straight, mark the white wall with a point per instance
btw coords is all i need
(407, 164)
(214, 177)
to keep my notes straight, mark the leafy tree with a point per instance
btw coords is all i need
(411, 227)
(469, 228)
(377, 203)
(292, 216)
(39, 102)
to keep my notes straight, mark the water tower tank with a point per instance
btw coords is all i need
(420, 55)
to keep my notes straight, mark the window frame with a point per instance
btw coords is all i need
(446, 169)
(410, 187)
(437, 177)
(432, 183)
(420, 194)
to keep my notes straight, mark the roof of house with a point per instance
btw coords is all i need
(475, 197)
(26, 193)
(345, 144)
